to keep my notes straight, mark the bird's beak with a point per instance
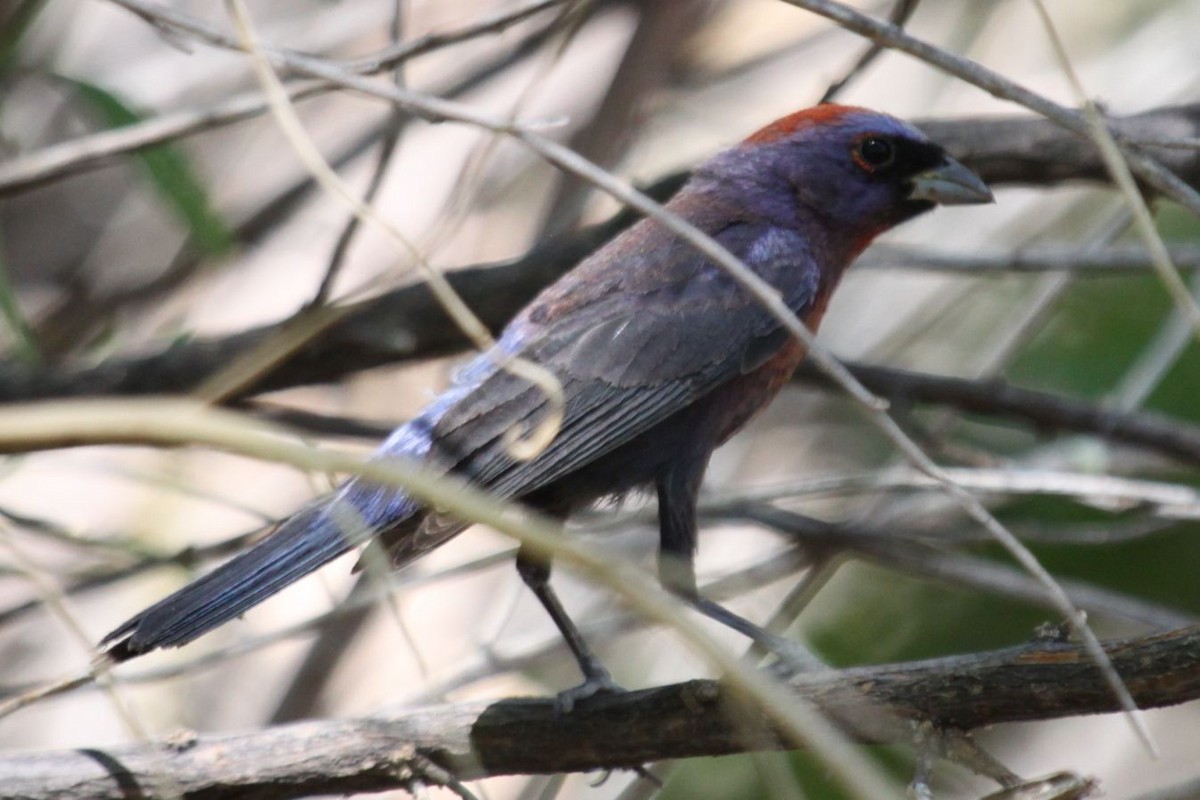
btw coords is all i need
(950, 184)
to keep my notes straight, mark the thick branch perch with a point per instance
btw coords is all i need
(525, 736)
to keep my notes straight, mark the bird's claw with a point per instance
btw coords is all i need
(597, 683)
(1059, 786)
(793, 657)
(960, 748)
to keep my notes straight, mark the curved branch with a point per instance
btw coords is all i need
(1040, 680)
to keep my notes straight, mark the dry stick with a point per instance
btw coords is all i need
(55, 161)
(1168, 500)
(1160, 141)
(261, 219)
(1154, 361)
(57, 532)
(346, 609)
(899, 17)
(1039, 306)
(319, 423)
(389, 140)
(521, 444)
(66, 324)
(903, 549)
(660, 40)
(387, 149)
(997, 85)
(53, 598)
(173, 422)
(436, 109)
(1044, 410)
(907, 554)
(756, 286)
(253, 362)
(728, 586)
(1108, 261)
(778, 567)
(1118, 168)
(306, 686)
(398, 53)
(187, 557)
(370, 334)
(93, 150)
(303, 696)
(1034, 681)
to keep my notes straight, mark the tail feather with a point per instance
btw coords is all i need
(306, 541)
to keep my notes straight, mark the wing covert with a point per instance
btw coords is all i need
(626, 364)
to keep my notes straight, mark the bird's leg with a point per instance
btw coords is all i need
(535, 572)
(678, 490)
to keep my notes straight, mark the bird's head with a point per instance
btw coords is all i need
(847, 172)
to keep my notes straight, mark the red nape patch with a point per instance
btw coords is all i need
(824, 114)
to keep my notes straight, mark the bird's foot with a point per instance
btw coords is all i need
(794, 657)
(597, 682)
(1059, 786)
(934, 743)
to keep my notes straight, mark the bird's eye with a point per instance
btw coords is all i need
(876, 152)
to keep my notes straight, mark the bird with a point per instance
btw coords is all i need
(661, 356)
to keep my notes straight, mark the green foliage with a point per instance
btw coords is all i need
(10, 310)
(13, 29)
(169, 171)
(1100, 328)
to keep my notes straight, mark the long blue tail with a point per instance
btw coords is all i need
(309, 539)
(312, 537)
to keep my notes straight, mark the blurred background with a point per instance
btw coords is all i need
(221, 230)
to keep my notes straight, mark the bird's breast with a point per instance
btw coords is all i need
(744, 396)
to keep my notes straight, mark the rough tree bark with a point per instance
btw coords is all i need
(1040, 680)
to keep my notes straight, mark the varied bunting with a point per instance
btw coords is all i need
(662, 356)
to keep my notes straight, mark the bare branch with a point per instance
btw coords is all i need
(1150, 170)
(1041, 680)
(1045, 411)
(93, 150)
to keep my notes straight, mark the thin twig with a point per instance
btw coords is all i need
(898, 552)
(55, 161)
(899, 16)
(521, 444)
(1167, 500)
(996, 84)
(1110, 261)
(179, 422)
(388, 142)
(1045, 411)
(1118, 168)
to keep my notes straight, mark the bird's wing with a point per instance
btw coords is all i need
(625, 364)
